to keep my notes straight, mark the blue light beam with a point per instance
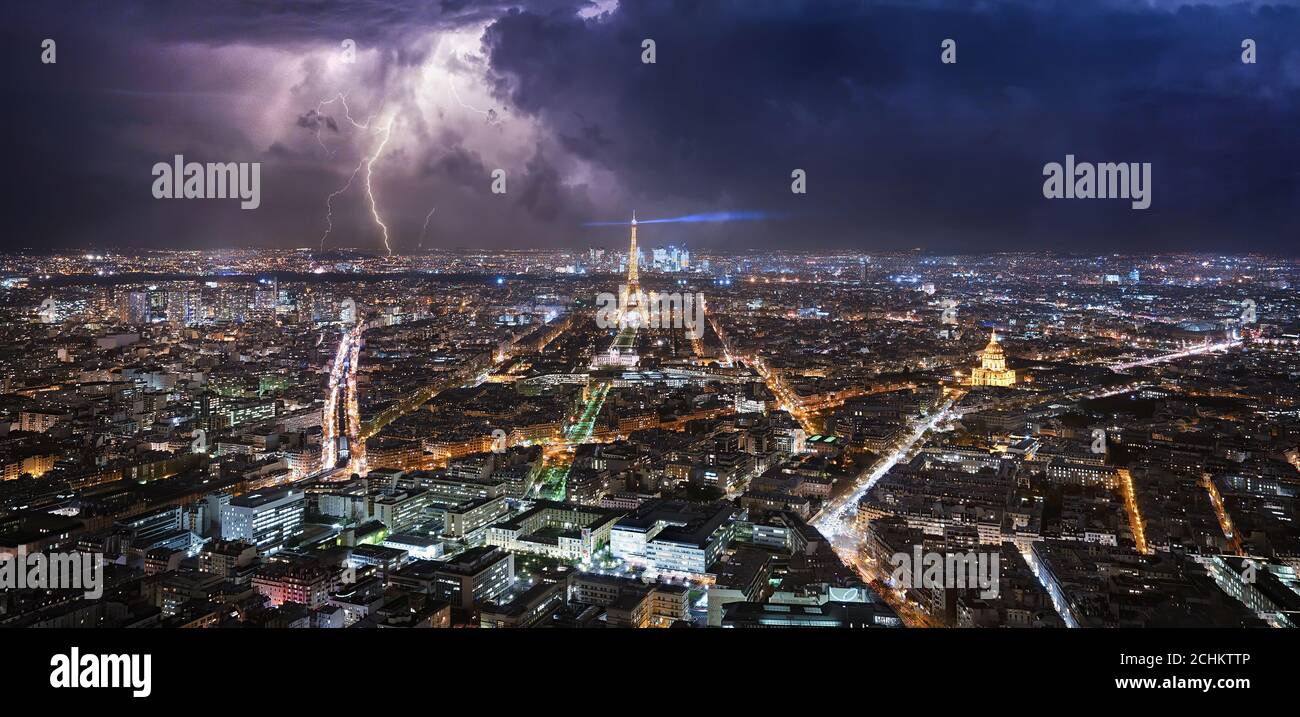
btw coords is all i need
(693, 219)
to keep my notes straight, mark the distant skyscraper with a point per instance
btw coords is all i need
(233, 304)
(135, 309)
(184, 307)
(266, 296)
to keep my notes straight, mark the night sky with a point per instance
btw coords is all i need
(900, 150)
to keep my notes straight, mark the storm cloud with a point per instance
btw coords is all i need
(900, 150)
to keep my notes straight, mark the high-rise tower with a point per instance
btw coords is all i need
(631, 303)
(633, 281)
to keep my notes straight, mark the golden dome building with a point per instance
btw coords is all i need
(992, 370)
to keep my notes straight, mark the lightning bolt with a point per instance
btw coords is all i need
(425, 228)
(329, 207)
(367, 163)
(322, 144)
(490, 115)
(347, 113)
(370, 191)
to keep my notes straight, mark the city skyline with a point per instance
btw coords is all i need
(317, 431)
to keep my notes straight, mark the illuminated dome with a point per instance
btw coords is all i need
(992, 370)
(994, 348)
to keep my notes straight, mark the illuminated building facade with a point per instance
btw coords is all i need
(266, 520)
(992, 370)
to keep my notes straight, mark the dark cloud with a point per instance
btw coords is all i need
(589, 141)
(545, 196)
(900, 150)
(459, 166)
(314, 120)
